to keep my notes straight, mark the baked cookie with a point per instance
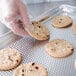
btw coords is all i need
(9, 58)
(74, 28)
(30, 69)
(40, 32)
(62, 21)
(59, 48)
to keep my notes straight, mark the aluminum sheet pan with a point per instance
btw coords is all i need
(34, 51)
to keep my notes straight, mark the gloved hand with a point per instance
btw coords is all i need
(13, 14)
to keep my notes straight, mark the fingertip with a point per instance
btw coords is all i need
(29, 27)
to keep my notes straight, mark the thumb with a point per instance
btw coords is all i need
(23, 13)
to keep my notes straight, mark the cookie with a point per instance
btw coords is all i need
(30, 69)
(59, 48)
(74, 28)
(62, 21)
(9, 58)
(40, 32)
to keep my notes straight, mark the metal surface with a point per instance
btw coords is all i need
(3, 30)
(34, 51)
(38, 8)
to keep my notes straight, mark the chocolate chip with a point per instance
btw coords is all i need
(37, 33)
(22, 70)
(39, 26)
(31, 70)
(47, 35)
(59, 22)
(33, 23)
(22, 74)
(36, 22)
(33, 64)
(16, 60)
(36, 67)
(56, 43)
(60, 19)
(72, 49)
(52, 49)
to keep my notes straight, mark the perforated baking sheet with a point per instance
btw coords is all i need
(34, 51)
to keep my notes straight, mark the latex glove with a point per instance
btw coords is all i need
(13, 14)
